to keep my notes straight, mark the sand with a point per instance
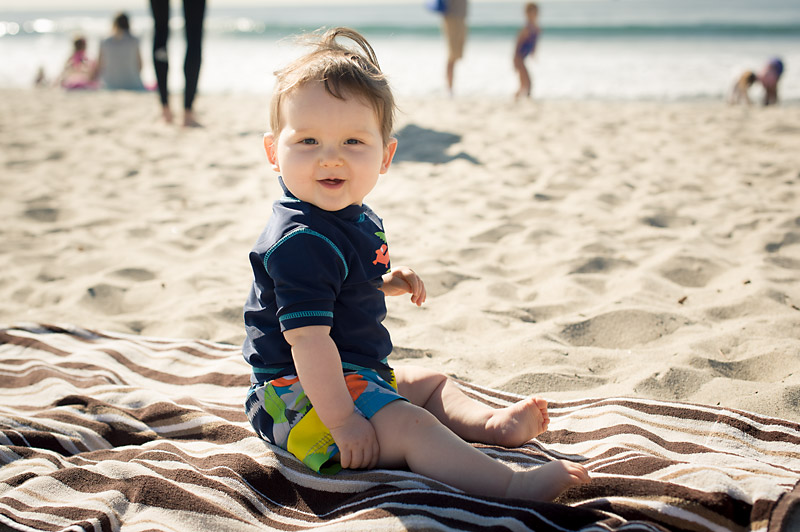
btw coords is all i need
(571, 249)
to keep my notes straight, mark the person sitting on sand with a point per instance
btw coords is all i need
(525, 46)
(740, 91)
(769, 78)
(119, 64)
(322, 387)
(78, 71)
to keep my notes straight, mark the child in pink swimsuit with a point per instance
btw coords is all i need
(79, 69)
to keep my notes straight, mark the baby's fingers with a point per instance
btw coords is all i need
(418, 292)
(363, 457)
(376, 453)
(344, 458)
(357, 459)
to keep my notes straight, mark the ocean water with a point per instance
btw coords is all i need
(589, 49)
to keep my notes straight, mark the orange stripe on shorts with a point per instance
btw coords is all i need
(355, 384)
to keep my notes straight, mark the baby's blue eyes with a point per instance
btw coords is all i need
(312, 142)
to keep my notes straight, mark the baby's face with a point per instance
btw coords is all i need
(330, 152)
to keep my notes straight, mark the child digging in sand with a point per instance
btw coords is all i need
(322, 386)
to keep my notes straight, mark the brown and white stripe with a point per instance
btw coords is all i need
(102, 431)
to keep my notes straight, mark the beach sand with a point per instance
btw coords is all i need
(570, 249)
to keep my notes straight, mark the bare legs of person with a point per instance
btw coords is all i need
(450, 74)
(166, 114)
(524, 78)
(428, 435)
(770, 93)
(189, 119)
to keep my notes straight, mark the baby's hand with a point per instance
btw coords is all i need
(404, 280)
(358, 444)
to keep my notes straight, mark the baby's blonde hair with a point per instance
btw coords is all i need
(343, 71)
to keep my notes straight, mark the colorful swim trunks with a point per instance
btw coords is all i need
(282, 414)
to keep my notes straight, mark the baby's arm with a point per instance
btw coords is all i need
(404, 280)
(319, 368)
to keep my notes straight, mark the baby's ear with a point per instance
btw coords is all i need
(388, 154)
(271, 147)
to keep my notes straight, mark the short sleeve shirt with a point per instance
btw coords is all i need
(315, 267)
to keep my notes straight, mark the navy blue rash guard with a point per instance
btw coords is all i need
(315, 267)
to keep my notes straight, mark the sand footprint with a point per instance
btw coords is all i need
(410, 353)
(787, 263)
(533, 383)
(762, 302)
(207, 230)
(135, 274)
(43, 214)
(760, 368)
(231, 314)
(791, 398)
(104, 298)
(599, 264)
(789, 238)
(547, 312)
(693, 272)
(664, 220)
(438, 284)
(677, 383)
(533, 314)
(621, 329)
(497, 233)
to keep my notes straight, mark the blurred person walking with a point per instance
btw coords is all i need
(454, 27)
(193, 15)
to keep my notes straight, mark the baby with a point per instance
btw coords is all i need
(322, 385)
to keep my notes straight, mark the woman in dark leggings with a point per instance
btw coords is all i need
(193, 14)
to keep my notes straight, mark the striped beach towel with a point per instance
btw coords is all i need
(104, 432)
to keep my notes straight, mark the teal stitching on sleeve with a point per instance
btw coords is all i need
(306, 314)
(307, 231)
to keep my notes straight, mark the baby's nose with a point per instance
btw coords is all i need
(330, 157)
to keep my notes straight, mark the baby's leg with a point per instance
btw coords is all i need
(411, 436)
(471, 420)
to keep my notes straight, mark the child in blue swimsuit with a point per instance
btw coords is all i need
(526, 45)
(322, 387)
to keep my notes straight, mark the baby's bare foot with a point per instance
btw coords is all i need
(546, 482)
(517, 424)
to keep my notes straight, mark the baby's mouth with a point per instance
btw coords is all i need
(332, 182)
